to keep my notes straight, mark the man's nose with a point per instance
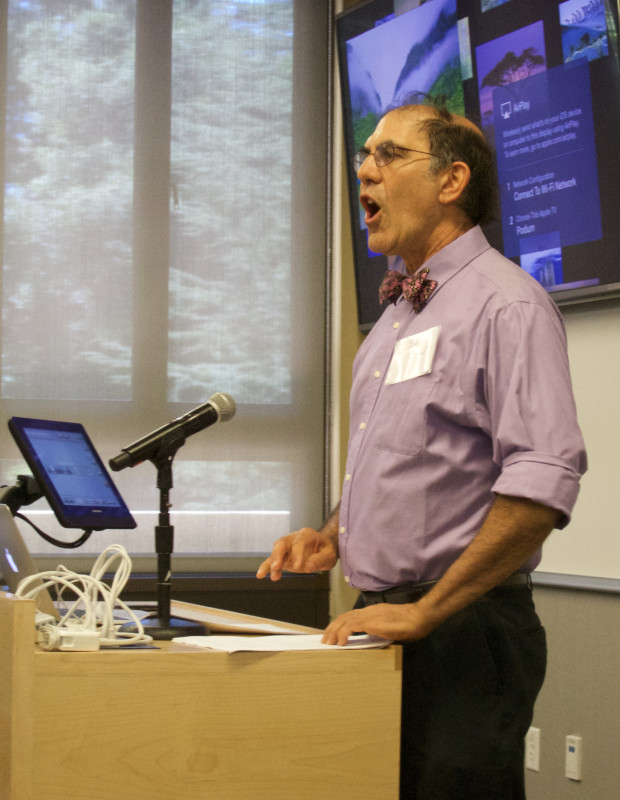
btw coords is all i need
(369, 172)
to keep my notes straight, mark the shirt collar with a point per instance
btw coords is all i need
(454, 257)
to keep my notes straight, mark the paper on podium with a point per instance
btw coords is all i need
(284, 635)
(217, 619)
(279, 643)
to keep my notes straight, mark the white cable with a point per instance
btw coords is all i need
(90, 617)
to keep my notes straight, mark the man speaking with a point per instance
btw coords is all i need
(464, 454)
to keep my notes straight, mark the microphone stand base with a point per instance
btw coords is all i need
(154, 627)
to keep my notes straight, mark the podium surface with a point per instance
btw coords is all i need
(178, 722)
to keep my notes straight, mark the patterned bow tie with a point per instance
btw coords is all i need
(416, 290)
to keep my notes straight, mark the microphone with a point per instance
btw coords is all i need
(219, 407)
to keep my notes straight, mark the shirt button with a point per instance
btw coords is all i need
(342, 529)
(396, 325)
(362, 426)
(347, 477)
(347, 579)
(377, 374)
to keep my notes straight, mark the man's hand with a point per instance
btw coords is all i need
(305, 550)
(404, 622)
(512, 531)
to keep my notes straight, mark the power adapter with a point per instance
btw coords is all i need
(41, 618)
(53, 637)
(87, 623)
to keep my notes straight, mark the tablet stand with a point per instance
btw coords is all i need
(25, 492)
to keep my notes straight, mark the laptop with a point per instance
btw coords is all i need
(16, 562)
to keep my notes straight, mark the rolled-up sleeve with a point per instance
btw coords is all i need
(532, 418)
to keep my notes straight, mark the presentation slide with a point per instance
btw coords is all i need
(546, 161)
(541, 122)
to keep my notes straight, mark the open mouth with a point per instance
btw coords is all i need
(371, 208)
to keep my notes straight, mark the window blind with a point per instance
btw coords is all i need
(163, 239)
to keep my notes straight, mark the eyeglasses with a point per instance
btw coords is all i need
(384, 154)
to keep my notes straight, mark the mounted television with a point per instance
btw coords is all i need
(542, 79)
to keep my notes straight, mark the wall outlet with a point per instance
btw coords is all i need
(573, 757)
(532, 749)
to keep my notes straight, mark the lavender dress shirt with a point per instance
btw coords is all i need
(477, 402)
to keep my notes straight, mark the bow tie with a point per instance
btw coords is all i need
(416, 289)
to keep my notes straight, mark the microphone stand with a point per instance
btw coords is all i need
(161, 625)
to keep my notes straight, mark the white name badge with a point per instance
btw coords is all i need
(413, 356)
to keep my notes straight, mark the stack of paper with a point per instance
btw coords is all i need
(282, 635)
(279, 642)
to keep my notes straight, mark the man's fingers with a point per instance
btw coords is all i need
(340, 629)
(274, 564)
(264, 569)
(303, 551)
(272, 567)
(339, 636)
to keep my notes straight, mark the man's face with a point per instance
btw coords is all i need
(401, 198)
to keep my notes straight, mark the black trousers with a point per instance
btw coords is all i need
(468, 698)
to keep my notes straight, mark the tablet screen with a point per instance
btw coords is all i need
(71, 474)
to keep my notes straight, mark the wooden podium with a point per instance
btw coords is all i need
(185, 724)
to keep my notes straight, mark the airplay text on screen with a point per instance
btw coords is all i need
(546, 159)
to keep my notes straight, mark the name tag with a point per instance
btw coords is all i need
(413, 356)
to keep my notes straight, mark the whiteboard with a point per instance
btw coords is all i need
(590, 545)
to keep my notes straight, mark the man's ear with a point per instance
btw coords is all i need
(454, 180)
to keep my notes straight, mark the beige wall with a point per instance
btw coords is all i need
(581, 695)
(345, 345)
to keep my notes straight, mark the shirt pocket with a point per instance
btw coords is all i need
(399, 424)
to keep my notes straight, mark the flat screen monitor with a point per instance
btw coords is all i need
(70, 474)
(542, 79)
